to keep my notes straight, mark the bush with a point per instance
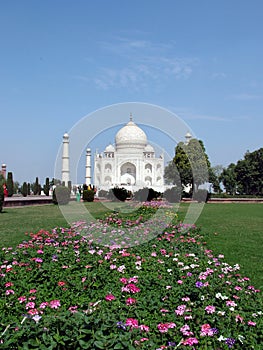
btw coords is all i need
(24, 189)
(118, 194)
(88, 195)
(2, 197)
(200, 195)
(173, 195)
(103, 193)
(10, 184)
(61, 195)
(146, 194)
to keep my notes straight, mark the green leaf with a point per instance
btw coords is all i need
(99, 344)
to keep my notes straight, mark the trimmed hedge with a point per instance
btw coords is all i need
(61, 195)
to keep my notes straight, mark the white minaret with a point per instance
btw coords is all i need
(65, 159)
(88, 167)
(188, 137)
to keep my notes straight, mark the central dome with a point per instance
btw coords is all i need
(130, 136)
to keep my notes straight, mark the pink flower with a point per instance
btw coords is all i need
(163, 327)
(130, 301)
(206, 330)
(144, 328)
(210, 309)
(33, 312)
(110, 297)
(61, 283)
(180, 282)
(73, 309)
(9, 284)
(21, 299)
(43, 305)
(32, 291)
(130, 288)
(239, 318)
(9, 291)
(30, 305)
(54, 304)
(132, 322)
(190, 341)
(124, 280)
(251, 323)
(180, 310)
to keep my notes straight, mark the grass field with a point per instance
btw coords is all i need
(235, 230)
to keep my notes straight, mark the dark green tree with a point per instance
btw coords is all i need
(28, 189)
(2, 197)
(228, 178)
(249, 173)
(47, 187)
(10, 184)
(24, 189)
(36, 187)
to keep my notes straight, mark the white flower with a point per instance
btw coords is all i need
(240, 338)
(36, 318)
(221, 338)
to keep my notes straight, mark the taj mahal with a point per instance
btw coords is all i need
(130, 162)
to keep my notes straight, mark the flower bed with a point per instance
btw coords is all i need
(88, 288)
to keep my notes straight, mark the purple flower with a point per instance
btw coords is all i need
(230, 342)
(121, 325)
(199, 284)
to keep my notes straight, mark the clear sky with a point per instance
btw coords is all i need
(61, 60)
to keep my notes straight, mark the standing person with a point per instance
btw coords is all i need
(5, 190)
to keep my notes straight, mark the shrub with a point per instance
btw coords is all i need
(103, 193)
(88, 195)
(173, 195)
(46, 187)
(201, 195)
(2, 197)
(61, 195)
(118, 194)
(10, 184)
(24, 189)
(146, 194)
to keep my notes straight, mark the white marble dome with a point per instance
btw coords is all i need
(130, 136)
(149, 149)
(110, 148)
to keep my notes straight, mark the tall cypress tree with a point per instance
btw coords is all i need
(46, 187)
(10, 184)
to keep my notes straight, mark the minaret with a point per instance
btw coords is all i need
(4, 170)
(188, 137)
(88, 167)
(65, 159)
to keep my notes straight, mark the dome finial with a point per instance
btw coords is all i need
(130, 117)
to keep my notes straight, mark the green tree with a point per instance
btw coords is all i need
(228, 178)
(171, 174)
(249, 173)
(2, 197)
(10, 184)
(24, 189)
(214, 177)
(46, 187)
(191, 163)
(28, 189)
(36, 187)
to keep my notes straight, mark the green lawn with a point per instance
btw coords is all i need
(235, 230)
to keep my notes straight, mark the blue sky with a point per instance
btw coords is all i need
(63, 60)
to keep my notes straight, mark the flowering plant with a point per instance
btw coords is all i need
(68, 289)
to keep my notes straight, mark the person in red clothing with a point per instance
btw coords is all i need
(5, 190)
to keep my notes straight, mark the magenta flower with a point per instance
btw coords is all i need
(9, 291)
(132, 322)
(110, 297)
(21, 299)
(210, 309)
(190, 341)
(30, 305)
(54, 304)
(144, 328)
(130, 301)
